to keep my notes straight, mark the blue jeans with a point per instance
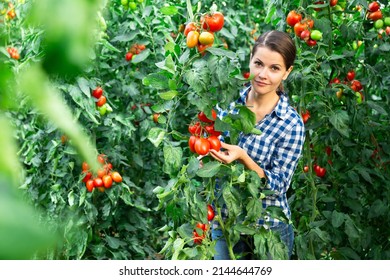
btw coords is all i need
(245, 244)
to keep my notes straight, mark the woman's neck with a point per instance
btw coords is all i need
(261, 104)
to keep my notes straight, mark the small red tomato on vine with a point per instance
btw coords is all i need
(101, 101)
(210, 212)
(215, 143)
(213, 22)
(202, 146)
(350, 75)
(373, 6)
(97, 92)
(116, 177)
(293, 17)
(202, 116)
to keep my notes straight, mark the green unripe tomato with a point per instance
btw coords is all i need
(140, 1)
(378, 24)
(133, 6)
(359, 98)
(124, 2)
(316, 35)
(387, 21)
(103, 110)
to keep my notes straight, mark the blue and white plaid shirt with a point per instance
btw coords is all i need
(277, 149)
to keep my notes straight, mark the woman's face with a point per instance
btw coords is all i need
(268, 69)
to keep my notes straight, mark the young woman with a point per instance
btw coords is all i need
(275, 152)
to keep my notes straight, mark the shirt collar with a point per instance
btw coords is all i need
(281, 108)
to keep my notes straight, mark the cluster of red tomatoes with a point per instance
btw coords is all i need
(101, 101)
(13, 52)
(374, 14)
(353, 83)
(303, 28)
(199, 235)
(201, 34)
(203, 135)
(320, 171)
(134, 50)
(104, 178)
(10, 13)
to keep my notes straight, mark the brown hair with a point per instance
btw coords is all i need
(279, 42)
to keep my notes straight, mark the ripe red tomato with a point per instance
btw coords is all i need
(350, 75)
(191, 143)
(202, 146)
(107, 181)
(201, 48)
(98, 182)
(101, 158)
(90, 185)
(299, 27)
(97, 92)
(305, 116)
(335, 81)
(306, 169)
(246, 75)
(87, 176)
(375, 15)
(320, 171)
(305, 35)
(333, 3)
(85, 166)
(210, 212)
(215, 144)
(116, 177)
(102, 100)
(373, 6)
(101, 172)
(211, 131)
(202, 116)
(213, 22)
(195, 129)
(293, 18)
(356, 85)
(129, 56)
(191, 26)
(311, 42)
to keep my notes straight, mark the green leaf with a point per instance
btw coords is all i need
(337, 219)
(141, 57)
(169, 10)
(222, 52)
(156, 135)
(84, 86)
(172, 159)
(110, 47)
(114, 242)
(209, 169)
(277, 212)
(376, 107)
(350, 228)
(378, 208)
(168, 95)
(168, 64)
(156, 80)
(245, 229)
(254, 209)
(339, 119)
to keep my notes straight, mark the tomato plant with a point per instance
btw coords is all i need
(159, 190)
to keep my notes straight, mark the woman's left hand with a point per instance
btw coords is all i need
(229, 153)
